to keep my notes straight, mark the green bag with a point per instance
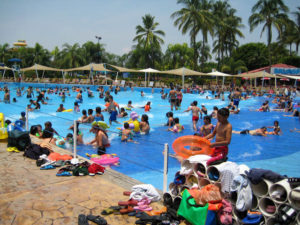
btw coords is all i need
(193, 213)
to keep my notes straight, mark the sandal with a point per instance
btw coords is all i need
(110, 210)
(97, 219)
(82, 220)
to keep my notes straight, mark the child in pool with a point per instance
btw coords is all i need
(129, 105)
(99, 116)
(23, 118)
(147, 107)
(126, 134)
(144, 124)
(76, 107)
(223, 133)
(142, 94)
(84, 116)
(177, 127)
(207, 127)
(123, 113)
(276, 128)
(60, 108)
(90, 117)
(170, 121)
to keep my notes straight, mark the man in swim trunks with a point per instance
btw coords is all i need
(173, 98)
(223, 133)
(111, 107)
(236, 97)
(258, 132)
(196, 110)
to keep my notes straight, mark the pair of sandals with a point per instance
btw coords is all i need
(83, 219)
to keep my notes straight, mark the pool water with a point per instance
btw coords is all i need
(144, 160)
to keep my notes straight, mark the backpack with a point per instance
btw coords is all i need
(19, 139)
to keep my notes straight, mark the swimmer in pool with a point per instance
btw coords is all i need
(60, 108)
(257, 132)
(196, 111)
(126, 134)
(144, 124)
(276, 128)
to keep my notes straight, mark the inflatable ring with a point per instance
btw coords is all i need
(193, 141)
(68, 110)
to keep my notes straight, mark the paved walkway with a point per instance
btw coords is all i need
(29, 195)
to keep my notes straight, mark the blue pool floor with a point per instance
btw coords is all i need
(144, 161)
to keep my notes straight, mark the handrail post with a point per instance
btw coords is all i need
(75, 139)
(26, 122)
(166, 154)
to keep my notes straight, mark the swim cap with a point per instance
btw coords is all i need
(134, 115)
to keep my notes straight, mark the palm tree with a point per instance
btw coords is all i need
(193, 17)
(296, 33)
(178, 55)
(149, 38)
(147, 34)
(233, 67)
(71, 56)
(270, 13)
(227, 26)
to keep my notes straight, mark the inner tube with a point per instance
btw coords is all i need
(192, 141)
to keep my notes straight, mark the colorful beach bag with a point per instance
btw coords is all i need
(193, 213)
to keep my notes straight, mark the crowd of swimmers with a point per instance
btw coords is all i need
(222, 130)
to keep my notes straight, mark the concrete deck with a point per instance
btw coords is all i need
(29, 195)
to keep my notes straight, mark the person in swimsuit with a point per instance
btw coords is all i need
(179, 97)
(99, 116)
(126, 134)
(6, 98)
(203, 109)
(223, 133)
(60, 108)
(90, 117)
(207, 127)
(276, 128)
(236, 97)
(112, 107)
(101, 138)
(173, 98)
(144, 124)
(170, 122)
(257, 132)
(122, 113)
(177, 127)
(196, 111)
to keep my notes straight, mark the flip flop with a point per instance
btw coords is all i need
(64, 174)
(97, 219)
(110, 210)
(127, 203)
(82, 220)
(48, 167)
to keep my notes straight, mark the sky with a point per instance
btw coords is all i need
(55, 22)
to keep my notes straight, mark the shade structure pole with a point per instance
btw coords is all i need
(37, 75)
(275, 83)
(63, 75)
(145, 79)
(14, 75)
(3, 74)
(117, 76)
(166, 158)
(43, 74)
(183, 78)
(255, 82)
(223, 81)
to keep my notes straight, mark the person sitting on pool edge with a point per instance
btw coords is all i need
(257, 132)
(222, 131)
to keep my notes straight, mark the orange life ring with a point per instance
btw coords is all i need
(193, 141)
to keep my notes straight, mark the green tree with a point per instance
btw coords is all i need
(254, 55)
(227, 26)
(232, 66)
(193, 17)
(270, 13)
(149, 38)
(296, 32)
(71, 56)
(178, 55)
(4, 53)
(147, 33)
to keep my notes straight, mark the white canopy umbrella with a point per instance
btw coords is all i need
(220, 74)
(149, 70)
(5, 68)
